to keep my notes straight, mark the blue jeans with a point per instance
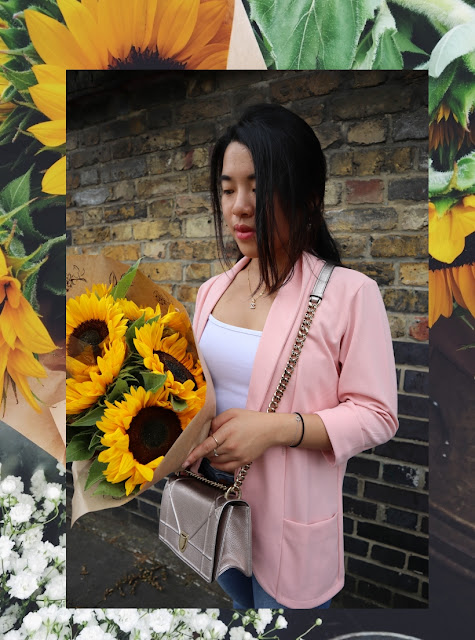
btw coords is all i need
(247, 593)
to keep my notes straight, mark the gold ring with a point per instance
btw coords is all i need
(215, 453)
(217, 443)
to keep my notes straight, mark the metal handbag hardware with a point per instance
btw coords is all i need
(206, 523)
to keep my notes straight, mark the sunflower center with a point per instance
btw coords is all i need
(148, 59)
(85, 341)
(179, 371)
(152, 432)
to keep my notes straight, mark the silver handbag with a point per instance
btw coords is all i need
(207, 524)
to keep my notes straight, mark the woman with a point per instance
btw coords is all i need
(268, 181)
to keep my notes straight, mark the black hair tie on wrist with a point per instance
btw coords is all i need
(303, 430)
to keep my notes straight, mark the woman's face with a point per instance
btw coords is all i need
(238, 201)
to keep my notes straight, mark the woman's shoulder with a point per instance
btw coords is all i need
(342, 278)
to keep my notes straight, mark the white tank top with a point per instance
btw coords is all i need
(229, 352)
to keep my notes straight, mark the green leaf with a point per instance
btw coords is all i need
(442, 205)
(153, 381)
(105, 488)
(120, 387)
(465, 180)
(16, 196)
(96, 442)
(439, 182)
(78, 448)
(438, 87)
(309, 34)
(177, 403)
(124, 283)
(383, 52)
(95, 473)
(461, 97)
(455, 43)
(15, 38)
(130, 333)
(21, 80)
(90, 418)
(405, 44)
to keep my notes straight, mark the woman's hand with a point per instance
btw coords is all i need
(242, 435)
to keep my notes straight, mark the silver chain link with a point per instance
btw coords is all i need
(234, 490)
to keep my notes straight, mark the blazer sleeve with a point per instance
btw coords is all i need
(367, 390)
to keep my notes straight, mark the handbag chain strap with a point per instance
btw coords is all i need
(234, 491)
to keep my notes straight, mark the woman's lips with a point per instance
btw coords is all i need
(243, 232)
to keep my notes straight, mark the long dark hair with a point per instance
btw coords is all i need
(288, 163)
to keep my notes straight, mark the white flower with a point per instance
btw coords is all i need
(217, 629)
(239, 633)
(263, 618)
(84, 616)
(61, 469)
(11, 486)
(281, 623)
(94, 633)
(53, 491)
(37, 562)
(38, 484)
(22, 585)
(199, 622)
(14, 635)
(6, 545)
(32, 622)
(20, 513)
(160, 620)
(56, 588)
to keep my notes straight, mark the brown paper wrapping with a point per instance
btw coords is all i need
(81, 273)
(244, 52)
(48, 428)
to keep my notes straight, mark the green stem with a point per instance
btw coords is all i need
(444, 14)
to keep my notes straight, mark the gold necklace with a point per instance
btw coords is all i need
(253, 299)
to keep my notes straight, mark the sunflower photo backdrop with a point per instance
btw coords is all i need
(32, 247)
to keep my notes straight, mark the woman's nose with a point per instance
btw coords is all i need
(244, 203)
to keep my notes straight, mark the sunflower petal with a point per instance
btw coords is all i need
(30, 330)
(49, 73)
(177, 26)
(50, 99)
(54, 43)
(22, 384)
(51, 133)
(210, 18)
(54, 180)
(212, 56)
(85, 31)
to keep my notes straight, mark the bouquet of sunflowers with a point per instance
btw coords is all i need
(135, 383)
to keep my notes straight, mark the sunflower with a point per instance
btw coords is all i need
(139, 430)
(447, 232)
(446, 130)
(163, 354)
(132, 34)
(92, 324)
(133, 312)
(82, 394)
(22, 334)
(49, 95)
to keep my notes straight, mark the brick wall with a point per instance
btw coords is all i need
(138, 150)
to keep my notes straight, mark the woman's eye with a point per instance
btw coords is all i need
(227, 192)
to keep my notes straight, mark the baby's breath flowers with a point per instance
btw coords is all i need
(32, 582)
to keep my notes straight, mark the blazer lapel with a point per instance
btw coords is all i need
(279, 334)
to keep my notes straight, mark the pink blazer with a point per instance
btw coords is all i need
(346, 374)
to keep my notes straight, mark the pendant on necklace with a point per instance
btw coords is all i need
(253, 303)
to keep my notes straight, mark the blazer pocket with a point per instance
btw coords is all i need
(309, 558)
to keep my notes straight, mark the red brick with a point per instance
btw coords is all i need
(359, 191)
